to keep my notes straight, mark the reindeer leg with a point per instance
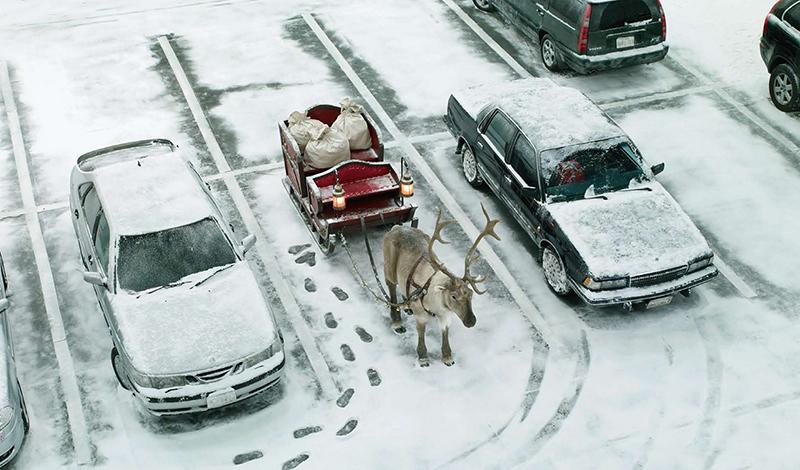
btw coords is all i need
(422, 350)
(397, 321)
(447, 353)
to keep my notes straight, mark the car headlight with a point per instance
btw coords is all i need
(139, 379)
(256, 359)
(606, 284)
(167, 381)
(700, 264)
(6, 416)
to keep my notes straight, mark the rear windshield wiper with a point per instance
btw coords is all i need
(201, 282)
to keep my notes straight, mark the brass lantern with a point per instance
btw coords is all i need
(406, 182)
(339, 196)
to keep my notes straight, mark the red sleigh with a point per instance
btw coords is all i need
(368, 188)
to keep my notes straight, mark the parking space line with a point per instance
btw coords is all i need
(66, 366)
(265, 168)
(744, 289)
(318, 364)
(667, 95)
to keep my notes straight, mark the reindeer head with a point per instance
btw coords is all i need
(457, 291)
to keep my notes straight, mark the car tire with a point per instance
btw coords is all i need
(549, 52)
(554, 272)
(784, 88)
(484, 5)
(115, 364)
(469, 167)
(26, 422)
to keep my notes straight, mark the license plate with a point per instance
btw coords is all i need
(659, 302)
(221, 398)
(627, 41)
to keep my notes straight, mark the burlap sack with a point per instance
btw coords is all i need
(301, 127)
(352, 124)
(326, 148)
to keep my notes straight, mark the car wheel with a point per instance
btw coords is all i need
(469, 165)
(784, 88)
(484, 5)
(116, 364)
(550, 54)
(26, 422)
(554, 272)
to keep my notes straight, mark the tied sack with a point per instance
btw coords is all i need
(301, 127)
(327, 147)
(352, 124)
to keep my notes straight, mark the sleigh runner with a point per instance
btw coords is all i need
(360, 192)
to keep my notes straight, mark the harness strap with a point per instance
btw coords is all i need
(422, 289)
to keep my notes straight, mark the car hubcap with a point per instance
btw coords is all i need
(548, 53)
(554, 272)
(784, 91)
(470, 167)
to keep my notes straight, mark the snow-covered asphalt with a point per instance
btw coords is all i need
(710, 381)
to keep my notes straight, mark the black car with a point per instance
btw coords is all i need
(780, 49)
(589, 35)
(580, 188)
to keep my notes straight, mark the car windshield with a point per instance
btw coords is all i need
(161, 258)
(579, 171)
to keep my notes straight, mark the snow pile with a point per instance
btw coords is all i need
(631, 233)
(183, 329)
(550, 115)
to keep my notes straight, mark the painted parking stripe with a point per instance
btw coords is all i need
(66, 366)
(743, 288)
(318, 364)
(561, 333)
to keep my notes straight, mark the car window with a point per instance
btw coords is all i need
(161, 258)
(793, 16)
(621, 13)
(500, 131)
(523, 161)
(568, 10)
(101, 237)
(91, 207)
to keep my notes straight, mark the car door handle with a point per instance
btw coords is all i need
(541, 12)
(479, 144)
(507, 178)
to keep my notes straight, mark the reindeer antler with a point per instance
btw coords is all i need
(473, 256)
(437, 237)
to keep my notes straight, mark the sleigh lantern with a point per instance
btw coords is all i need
(358, 193)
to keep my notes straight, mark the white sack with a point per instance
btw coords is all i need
(352, 124)
(326, 148)
(301, 127)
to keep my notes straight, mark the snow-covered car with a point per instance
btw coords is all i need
(14, 423)
(190, 326)
(606, 229)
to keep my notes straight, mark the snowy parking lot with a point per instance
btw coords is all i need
(710, 381)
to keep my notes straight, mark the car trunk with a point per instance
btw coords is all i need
(624, 24)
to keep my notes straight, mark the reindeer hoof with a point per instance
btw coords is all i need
(424, 362)
(448, 361)
(399, 329)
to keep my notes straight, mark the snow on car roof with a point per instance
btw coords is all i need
(550, 115)
(150, 194)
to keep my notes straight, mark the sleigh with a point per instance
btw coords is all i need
(369, 188)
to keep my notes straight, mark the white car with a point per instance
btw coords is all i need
(190, 326)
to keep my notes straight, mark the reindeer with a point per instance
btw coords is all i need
(434, 292)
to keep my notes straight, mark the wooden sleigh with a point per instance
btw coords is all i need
(372, 188)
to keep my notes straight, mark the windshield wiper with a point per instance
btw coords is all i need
(165, 286)
(212, 275)
(643, 188)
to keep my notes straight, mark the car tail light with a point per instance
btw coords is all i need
(663, 20)
(583, 37)
(766, 20)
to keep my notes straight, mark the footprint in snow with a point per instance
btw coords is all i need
(295, 249)
(348, 427)
(303, 432)
(374, 377)
(244, 458)
(309, 258)
(340, 294)
(344, 400)
(290, 464)
(330, 321)
(362, 333)
(310, 285)
(347, 353)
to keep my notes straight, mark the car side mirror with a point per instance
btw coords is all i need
(96, 279)
(656, 169)
(4, 305)
(248, 242)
